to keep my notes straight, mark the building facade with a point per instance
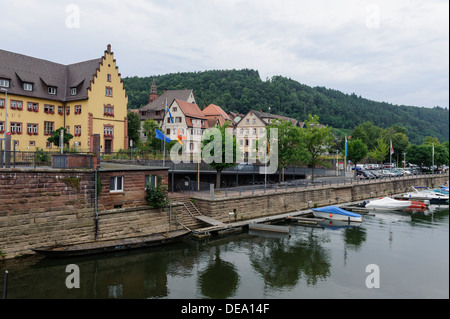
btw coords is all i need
(252, 127)
(190, 122)
(86, 98)
(157, 104)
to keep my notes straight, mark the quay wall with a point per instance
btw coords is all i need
(260, 205)
(38, 210)
(41, 208)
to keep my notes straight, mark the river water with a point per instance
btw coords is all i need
(399, 255)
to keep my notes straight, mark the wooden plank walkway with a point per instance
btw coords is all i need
(210, 221)
(245, 223)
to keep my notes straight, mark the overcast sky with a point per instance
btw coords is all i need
(395, 51)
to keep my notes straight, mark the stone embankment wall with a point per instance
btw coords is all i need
(40, 209)
(256, 206)
(57, 207)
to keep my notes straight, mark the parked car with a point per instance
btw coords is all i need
(377, 174)
(363, 174)
(387, 173)
(245, 167)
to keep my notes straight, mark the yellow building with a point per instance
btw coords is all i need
(87, 98)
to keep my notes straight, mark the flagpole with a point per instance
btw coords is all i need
(164, 132)
(390, 158)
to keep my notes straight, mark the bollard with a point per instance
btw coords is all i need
(5, 286)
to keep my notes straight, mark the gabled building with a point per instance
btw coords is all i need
(190, 121)
(216, 116)
(252, 128)
(86, 98)
(156, 108)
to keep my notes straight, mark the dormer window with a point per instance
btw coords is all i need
(28, 87)
(51, 90)
(4, 83)
(73, 91)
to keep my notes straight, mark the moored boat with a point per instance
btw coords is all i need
(336, 213)
(422, 194)
(387, 204)
(100, 247)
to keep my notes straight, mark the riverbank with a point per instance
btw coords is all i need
(23, 230)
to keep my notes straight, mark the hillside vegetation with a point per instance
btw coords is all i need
(243, 90)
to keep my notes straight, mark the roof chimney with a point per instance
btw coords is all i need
(108, 48)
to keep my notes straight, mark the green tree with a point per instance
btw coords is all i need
(380, 152)
(56, 135)
(357, 151)
(149, 128)
(291, 150)
(222, 163)
(134, 127)
(317, 139)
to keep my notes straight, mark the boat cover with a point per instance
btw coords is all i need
(388, 203)
(336, 211)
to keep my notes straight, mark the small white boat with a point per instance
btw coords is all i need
(387, 204)
(336, 213)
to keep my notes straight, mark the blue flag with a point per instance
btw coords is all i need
(162, 137)
(170, 114)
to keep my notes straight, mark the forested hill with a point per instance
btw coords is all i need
(242, 90)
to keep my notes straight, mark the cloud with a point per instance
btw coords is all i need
(394, 51)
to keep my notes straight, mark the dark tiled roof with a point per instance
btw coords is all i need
(18, 68)
(262, 115)
(160, 102)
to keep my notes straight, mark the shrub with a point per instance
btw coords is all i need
(157, 196)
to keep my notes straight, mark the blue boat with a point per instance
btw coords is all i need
(336, 213)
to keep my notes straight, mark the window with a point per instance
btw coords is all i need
(16, 128)
(73, 91)
(60, 110)
(68, 129)
(51, 90)
(77, 130)
(108, 131)
(175, 109)
(77, 109)
(48, 144)
(150, 181)
(108, 91)
(203, 123)
(32, 143)
(33, 107)
(191, 146)
(16, 105)
(49, 109)
(108, 78)
(32, 129)
(248, 121)
(2, 103)
(48, 128)
(108, 110)
(168, 131)
(28, 87)
(178, 120)
(67, 110)
(4, 83)
(254, 121)
(2, 127)
(116, 184)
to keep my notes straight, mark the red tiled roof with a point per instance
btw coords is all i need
(214, 110)
(190, 109)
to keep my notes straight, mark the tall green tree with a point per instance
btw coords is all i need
(357, 151)
(149, 129)
(222, 161)
(317, 139)
(380, 152)
(134, 127)
(291, 149)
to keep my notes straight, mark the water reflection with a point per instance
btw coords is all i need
(239, 266)
(220, 279)
(282, 263)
